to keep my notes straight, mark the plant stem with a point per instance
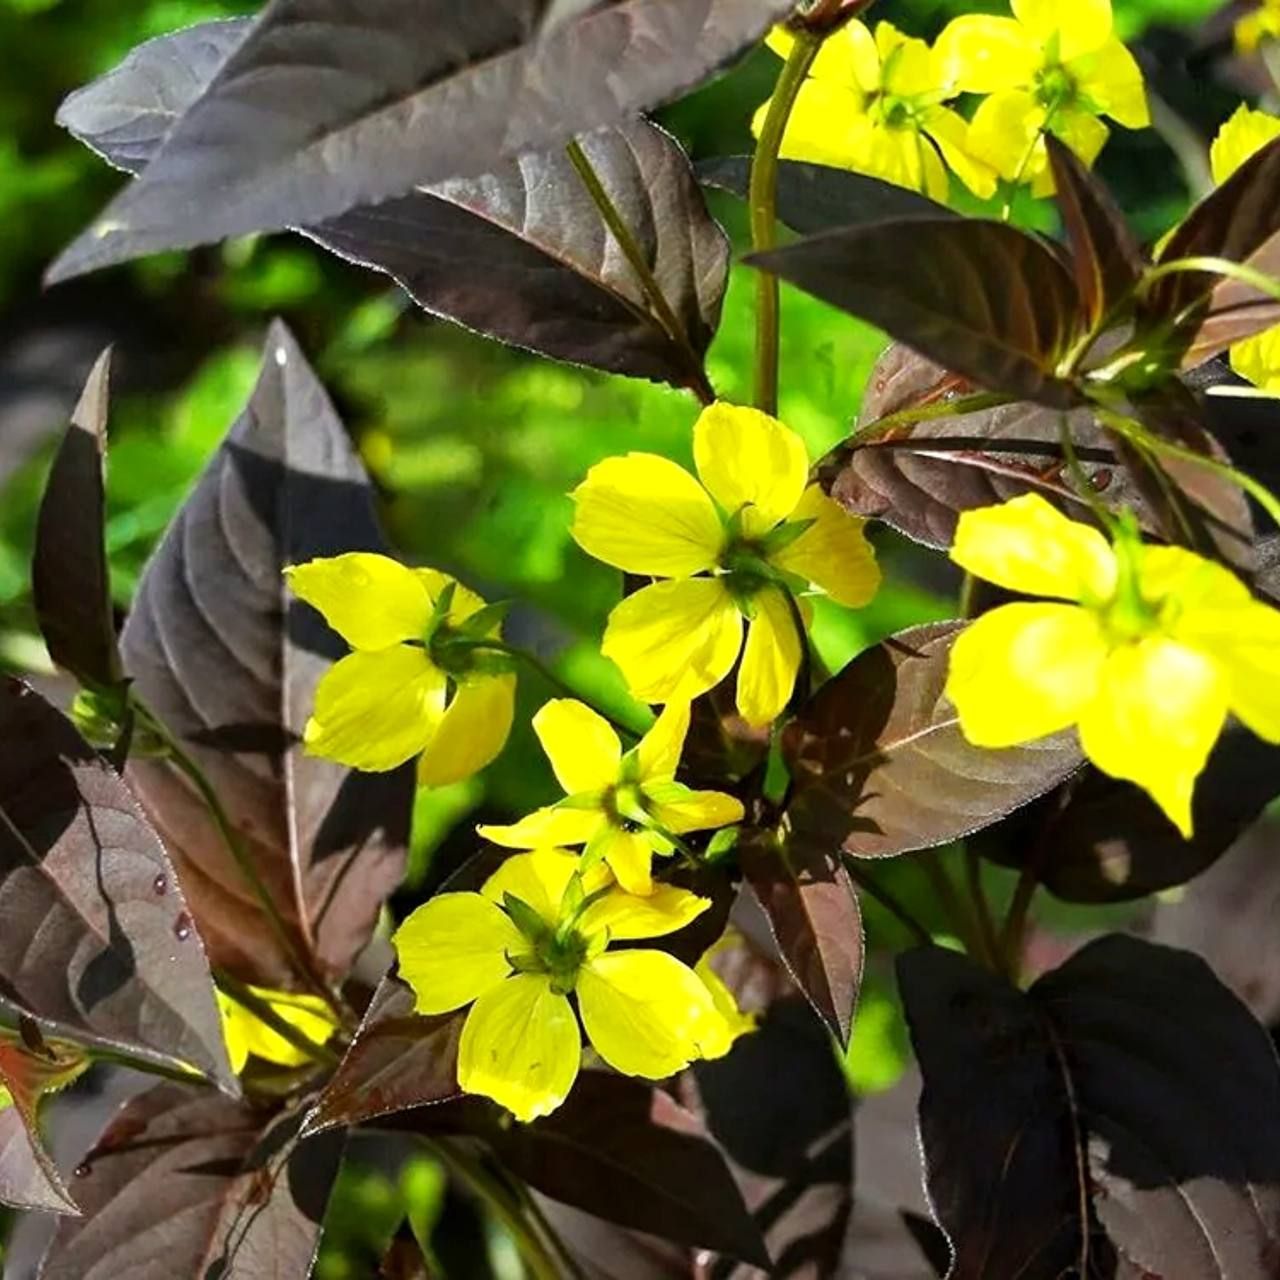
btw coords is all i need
(634, 254)
(863, 879)
(960, 919)
(263, 1011)
(762, 198)
(981, 907)
(1015, 922)
(244, 862)
(909, 416)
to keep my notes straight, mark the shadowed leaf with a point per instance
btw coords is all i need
(1090, 1119)
(187, 1185)
(397, 1061)
(29, 1178)
(816, 197)
(214, 642)
(323, 108)
(986, 299)
(812, 911)
(880, 766)
(97, 943)
(1105, 257)
(69, 579)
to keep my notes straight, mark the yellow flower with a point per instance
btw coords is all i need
(621, 807)
(1246, 132)
(538, 932)
(1262, 23)
(1146, 651)
(739, 1023)
(738, 547)
(416, 682)
(246, 1033)
(874, 104)
(1055, 66)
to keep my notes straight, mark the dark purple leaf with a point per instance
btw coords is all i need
(97, 943)
(812, 911)
(1126, 1108)
(398, 1061)
(230, 663)
(326, 106)
(816, 197)
(69, 577)
(985, 299)
(879, 764)
(188, 1185)
(1105, 257)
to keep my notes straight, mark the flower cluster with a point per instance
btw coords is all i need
(876, 103)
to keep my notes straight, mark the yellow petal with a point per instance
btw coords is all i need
(750, 463)
(538, 879)
(1024, 671)
(1112, 81)
(658, 752)
(1257, 359)
(981, 54)
(465, 601)
(825, 125)
(454, 948)
(644, 514)
(247, 1034)
(1029, 546)
(833, 552)
(1081, 132)
(847, 58)
(699, 811)
(626, 916)
(371, 601)
(629, 855)
(521, 1047)
(472, 731)
(1006, 132)
(1244, 134)
(646, 1013)
(674, 638)
(1080, 25)
(1159, 709)
(1251, 660)
(547, 826)
(950, 133)
(736, 1022)
(580, 743)
(769, 661)
(375, 710)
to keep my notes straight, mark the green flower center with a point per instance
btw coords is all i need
(562, 958)
(1056, 87)
(746, 572)
(626, 807)
(899, 113)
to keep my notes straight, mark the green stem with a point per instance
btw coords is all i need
(863, 879)
(244, 862)
(960, 919)
(256, 1005)
(981, 907)
(762, 198)
(634, 254)
(908, 417)
(1207, 264)
(1015, 922)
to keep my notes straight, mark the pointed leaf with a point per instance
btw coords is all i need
(69, 578)
(816, 197)
(1091, 1119)
(985, 299)
(324, 107)
(812, 910)
(230, 662)
(1105, 257)
(97, 944)
(184, 1184)
(398, 1060)
(880, 766)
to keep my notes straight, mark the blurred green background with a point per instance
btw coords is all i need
(474, 447)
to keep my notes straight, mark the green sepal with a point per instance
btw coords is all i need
(526, 919)
(722, 843)
(484, 622)
(784, 535)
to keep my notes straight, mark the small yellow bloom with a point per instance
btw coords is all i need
(1246, 132)
(246, 1034)
(416, 683)
(739, 1023)
(538, 932)
(736, 545)
(620, 807)
(874, 104)
(1055, 67)
(1261, 23)
(1148, 650)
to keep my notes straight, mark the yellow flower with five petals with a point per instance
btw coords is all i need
(248, 1035)
(622, 808)
(874, 104)
(1246, 132)
(1145, 650)
(537, 933)
(1259, 24)
(1055, 66)
(734, 546)
(419, 682)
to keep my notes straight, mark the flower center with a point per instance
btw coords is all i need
(626, 807)
(561, 958)
(898, 113)
(1055, 87)
(746, 572)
